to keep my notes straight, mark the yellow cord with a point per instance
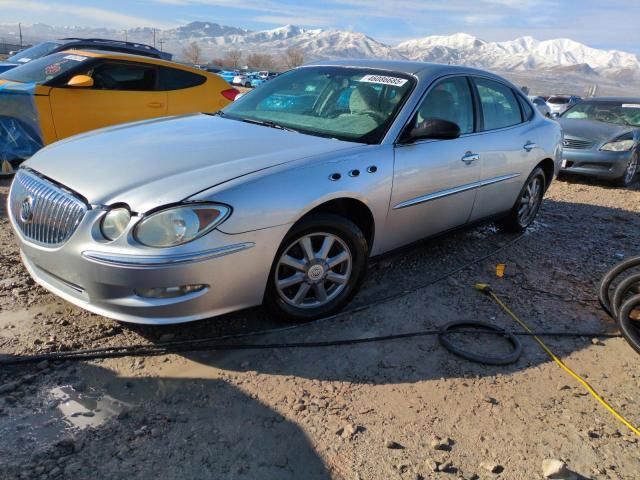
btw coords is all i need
(485, 288)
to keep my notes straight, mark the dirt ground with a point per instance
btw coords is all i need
(404, 409)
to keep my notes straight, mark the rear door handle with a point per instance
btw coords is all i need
(155, 104)
(530, 146)
(470, 157)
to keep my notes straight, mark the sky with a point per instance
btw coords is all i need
(608, 24)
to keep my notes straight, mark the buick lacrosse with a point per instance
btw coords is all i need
(282, 197)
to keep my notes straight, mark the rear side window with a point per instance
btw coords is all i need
(174, 79)
(500, 107)
(124, 76)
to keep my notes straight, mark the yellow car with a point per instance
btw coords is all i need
(75, 91)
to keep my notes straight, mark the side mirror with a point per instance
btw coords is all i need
(80, 81)
(432, 128)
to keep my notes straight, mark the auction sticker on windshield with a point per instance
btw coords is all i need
(384, 80)
(76, 58)
(631, 105)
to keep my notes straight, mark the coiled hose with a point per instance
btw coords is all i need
(619, 295)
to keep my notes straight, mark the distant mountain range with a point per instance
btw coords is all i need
(526, 54)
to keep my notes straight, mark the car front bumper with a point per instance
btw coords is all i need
(595, 163)
(104, 279)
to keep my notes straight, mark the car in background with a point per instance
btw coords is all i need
(242, 80)
(71, 92)
(256, 80)
(541, 105)
(54, 46)
(602, 138)
(190, 217)
(558, 104)
(227, 75)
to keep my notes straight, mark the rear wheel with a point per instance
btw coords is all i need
(317, 270)
(528, 204)
(630, 172)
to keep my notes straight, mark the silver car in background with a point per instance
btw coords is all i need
(558, 104)
(602, 139)
(282, 197)
(541, 105)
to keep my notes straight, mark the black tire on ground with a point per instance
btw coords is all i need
(331, 224)
(628, 178)
(517, 222)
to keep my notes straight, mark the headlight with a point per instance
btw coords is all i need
(114, 223)
(618, 145)
(181, 224)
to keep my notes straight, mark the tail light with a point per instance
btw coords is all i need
(230, 94)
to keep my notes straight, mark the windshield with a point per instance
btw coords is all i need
(44, 69)
(31, 53)
(609, 112)
(558, 100)
(352, 104)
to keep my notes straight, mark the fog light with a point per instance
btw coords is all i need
(169, 292)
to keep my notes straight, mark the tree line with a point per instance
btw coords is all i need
(233, 59)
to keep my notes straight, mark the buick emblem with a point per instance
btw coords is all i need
(26, 210)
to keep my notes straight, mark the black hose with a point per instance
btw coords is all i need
(454, 327)
(616, 301)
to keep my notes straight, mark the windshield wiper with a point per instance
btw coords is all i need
(267, 123)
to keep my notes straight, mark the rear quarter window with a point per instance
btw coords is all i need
(174, 79)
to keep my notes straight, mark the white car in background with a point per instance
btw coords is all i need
(242, 80)
(561, 103)
(541, 105)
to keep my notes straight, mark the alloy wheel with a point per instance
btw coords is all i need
(631, 170)
(530, 201)
(313, 270)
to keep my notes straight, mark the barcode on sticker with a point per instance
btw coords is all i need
(76, 58)
(384, 80)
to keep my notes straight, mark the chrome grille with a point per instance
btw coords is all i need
(577, 144)
(45, 213)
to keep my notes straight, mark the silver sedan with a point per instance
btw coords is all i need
(281, 198)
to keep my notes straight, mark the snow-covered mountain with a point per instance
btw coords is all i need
(521, 54)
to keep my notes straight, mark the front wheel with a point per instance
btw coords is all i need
(527, 205)
(317, 269)
(630, 172)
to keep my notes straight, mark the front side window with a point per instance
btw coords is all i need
(351, 104)
(500, 107)
(124, 76)
(449, 100)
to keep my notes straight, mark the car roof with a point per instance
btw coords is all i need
(614, 99)
(419, 69)
(136, 58)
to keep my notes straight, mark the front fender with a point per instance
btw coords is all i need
(283, 195)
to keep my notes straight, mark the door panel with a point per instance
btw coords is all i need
(122, 92)
(433, 189)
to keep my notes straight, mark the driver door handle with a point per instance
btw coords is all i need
(155, 104)
(470, 157)
(530, 146)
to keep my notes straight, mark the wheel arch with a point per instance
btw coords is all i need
(350, 208)
(548, 167)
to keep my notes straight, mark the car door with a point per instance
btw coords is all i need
(122, 92)
(434, 180)
(507, 145)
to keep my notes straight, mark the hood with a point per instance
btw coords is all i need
(593, 130)
(153, 163)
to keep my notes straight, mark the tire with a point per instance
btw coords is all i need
(247, 85)
(517, 220)
(630, 172)
(296, 282)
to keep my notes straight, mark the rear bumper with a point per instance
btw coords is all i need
(595, 163)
